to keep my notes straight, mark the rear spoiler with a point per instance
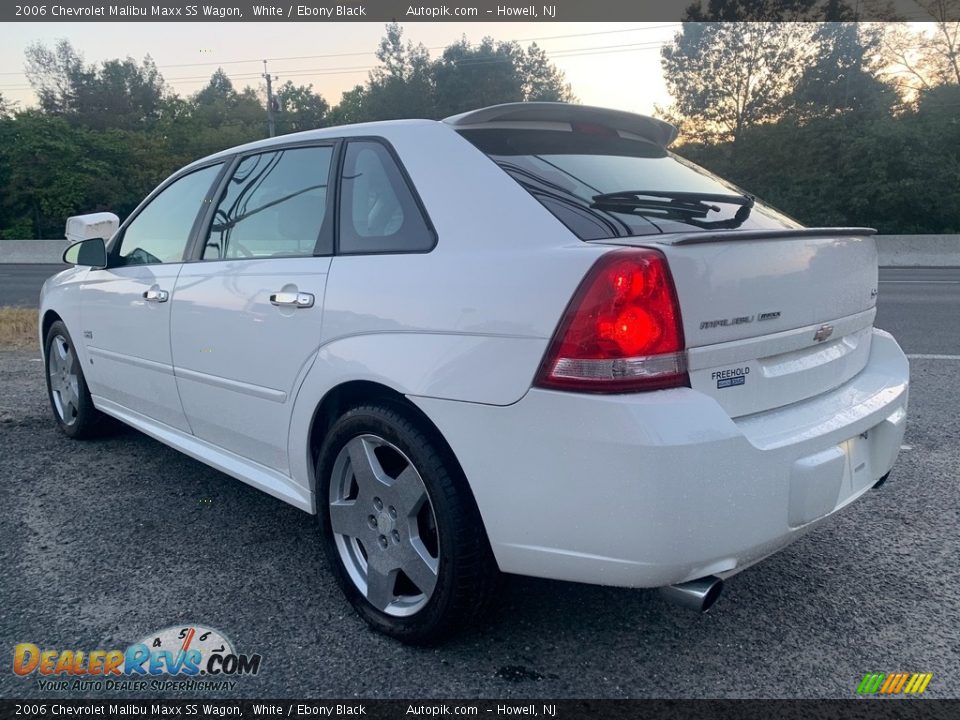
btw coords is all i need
(695, 238)
(656, 131)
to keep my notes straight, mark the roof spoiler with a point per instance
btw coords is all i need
(656, 131)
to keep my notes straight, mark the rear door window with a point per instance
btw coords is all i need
(274, 205)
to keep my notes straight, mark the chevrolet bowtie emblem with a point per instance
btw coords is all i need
(823, 332)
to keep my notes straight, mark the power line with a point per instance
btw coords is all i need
(372, 52)
(324, 71)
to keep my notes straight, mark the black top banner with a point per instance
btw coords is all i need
(406, 11)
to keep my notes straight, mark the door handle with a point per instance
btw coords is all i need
(159, 296)
(292, 299)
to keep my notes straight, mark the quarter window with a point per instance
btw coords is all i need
(274, 206)
(378, 212)
(160, 232)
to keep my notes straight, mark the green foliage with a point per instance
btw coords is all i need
(299, 108)
(897, 174)
(51, 170)
(794, 112)
(775, 10)
(801, 115)
(104, 135)
(6, 107)
(842, 76)
(117, 94)
(351, 108)
(408, 84)
(729, 76)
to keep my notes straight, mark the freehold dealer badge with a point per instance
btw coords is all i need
(186, 658)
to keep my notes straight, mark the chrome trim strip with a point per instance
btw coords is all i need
(257, 391)
(139, 362)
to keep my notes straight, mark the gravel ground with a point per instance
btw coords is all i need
(104, 542)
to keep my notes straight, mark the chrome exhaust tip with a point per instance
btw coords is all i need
(698, 595)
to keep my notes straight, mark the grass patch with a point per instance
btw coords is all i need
(18, 328)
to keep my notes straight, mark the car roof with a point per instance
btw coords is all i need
(381, 127)
(546, 114)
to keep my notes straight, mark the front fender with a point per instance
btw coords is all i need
(60, 294)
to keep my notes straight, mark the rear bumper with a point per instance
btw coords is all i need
(658, 488)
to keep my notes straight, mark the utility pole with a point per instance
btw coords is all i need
(271, 123)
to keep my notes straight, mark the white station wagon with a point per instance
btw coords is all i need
(527, 339)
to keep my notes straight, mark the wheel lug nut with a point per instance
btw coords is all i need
(393, 512)
(378, 503)
(372, 520)
(383, 541)
(396, 536)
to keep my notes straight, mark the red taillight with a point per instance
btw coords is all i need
(621, 331)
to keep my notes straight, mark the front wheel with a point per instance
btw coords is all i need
(400, 527)
(70, 399)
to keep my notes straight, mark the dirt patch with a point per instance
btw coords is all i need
(18, 328)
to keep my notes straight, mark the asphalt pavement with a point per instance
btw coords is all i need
(20, 283)
(104, 542)
(921, 306)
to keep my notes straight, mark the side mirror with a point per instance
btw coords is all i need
(92, 252)
(95, 225)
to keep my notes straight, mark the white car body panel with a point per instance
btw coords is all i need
(130, 343)
(660, 488)
(239, 358)
(639, 489)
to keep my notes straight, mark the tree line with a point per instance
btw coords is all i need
(836, 123)
(103, 135)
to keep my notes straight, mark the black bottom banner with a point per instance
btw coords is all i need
(546, 709)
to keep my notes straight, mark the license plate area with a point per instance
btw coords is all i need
(859, 473)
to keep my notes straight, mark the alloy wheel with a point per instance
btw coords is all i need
(384, 525)
(64, 382)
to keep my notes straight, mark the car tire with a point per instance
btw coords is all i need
(403, 535)
(67, 389)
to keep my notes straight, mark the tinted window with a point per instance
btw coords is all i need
(565, 170)
(274, 206)
(378, 212)
(159, 234)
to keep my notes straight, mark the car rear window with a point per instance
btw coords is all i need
(566, 169)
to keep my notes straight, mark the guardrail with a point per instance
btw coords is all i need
(919, 250)
(894, 250)
(32, 251)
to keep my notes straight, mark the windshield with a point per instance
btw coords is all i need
(567, 170)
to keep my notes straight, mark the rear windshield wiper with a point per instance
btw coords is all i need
(688, 207)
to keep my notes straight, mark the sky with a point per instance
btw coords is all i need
(608, 64)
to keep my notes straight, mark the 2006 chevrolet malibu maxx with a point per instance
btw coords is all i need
(525, 339)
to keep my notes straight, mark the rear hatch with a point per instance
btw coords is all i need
(769, 321)
(773, 312)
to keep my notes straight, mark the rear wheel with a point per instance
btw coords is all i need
(400, 527)
(66, 387)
